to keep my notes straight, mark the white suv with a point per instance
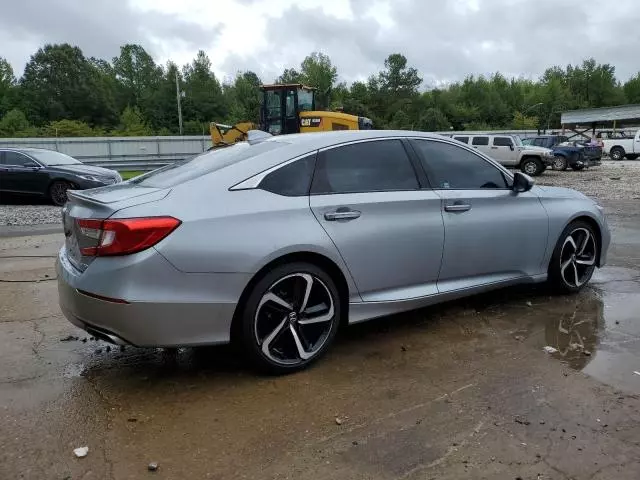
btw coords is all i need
(510, 152)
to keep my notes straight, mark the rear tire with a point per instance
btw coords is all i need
(577, 168)
(532, 166)
(58, 192)
(617, 153)
(280, 331)
(574, 258)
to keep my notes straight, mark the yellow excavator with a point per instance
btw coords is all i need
(287, 108)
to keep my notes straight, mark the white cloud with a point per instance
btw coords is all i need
(444, 40)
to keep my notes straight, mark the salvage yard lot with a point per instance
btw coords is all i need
(461, 390)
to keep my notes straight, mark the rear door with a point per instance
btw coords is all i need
(491, 233)
(22, 174)
(387, 228)
(481, 143)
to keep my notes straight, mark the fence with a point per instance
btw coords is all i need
(149, 153)
(119, 153)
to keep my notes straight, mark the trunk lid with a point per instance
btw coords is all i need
(98, 204)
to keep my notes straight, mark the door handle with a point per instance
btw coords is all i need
(457, 207)
(341, 215)
(494, 148)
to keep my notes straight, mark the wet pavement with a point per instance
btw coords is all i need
(461, 390)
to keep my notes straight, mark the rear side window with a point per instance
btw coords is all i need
(456, 168)
(204, 164)
(462, 139)
(292, 180)
(376, 166)
(480, 141)
(502, 142)
(15, 159)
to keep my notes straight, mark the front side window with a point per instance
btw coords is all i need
(540, 142)
(273, 112)
(480, 141)
(305, 100)
(502, 142)
(376, 166)
(292, 180)
(455, 168)
(462, 139)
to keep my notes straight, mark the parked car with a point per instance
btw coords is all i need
(509, 151)
(621, 146)
(275, 243)
(48, 174)
(567, 153)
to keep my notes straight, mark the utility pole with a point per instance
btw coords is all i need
(179, 98)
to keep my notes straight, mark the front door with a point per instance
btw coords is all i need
(492, 234)
(389, 232)
(503, 150)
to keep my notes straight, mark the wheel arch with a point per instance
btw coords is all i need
(317, 259)
(593, 223)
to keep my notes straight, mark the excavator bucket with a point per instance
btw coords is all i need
(224, 135)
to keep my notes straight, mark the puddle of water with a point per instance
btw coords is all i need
(601, 336)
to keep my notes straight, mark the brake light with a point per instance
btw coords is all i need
(125, 236)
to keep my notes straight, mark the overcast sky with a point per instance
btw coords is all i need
(446, 39)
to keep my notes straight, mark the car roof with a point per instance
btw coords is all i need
(27, 149)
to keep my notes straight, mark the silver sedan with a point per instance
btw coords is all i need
(275, 242)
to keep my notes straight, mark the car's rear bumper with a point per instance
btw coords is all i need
(147, 302)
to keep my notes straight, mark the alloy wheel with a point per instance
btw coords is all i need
(559, 163)
(530, 168)
(578, 257)
(59, 193)
(294, 319)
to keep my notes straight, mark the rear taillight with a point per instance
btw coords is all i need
(125, 236)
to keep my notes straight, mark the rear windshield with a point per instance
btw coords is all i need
(203, 164)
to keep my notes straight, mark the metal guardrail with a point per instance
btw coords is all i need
(120, 153)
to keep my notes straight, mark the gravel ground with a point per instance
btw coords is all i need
(29, 214)
(609, 181)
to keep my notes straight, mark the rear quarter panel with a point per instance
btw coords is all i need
(241, 231)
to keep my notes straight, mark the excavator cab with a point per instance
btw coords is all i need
(282, 106)
(291, 108)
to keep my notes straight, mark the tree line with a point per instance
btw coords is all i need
(63, 93)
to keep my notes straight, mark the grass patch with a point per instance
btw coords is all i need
(131, 174)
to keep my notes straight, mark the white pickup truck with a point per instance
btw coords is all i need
(622, 146)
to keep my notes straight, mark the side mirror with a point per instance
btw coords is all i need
(522, 182)
(512, 147)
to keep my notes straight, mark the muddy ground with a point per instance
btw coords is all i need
(462, 390)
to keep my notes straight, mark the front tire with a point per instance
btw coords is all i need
(58, 192)
(532, 166)
(290, 318)
(577, 168)
(632, 156)
(574, 258)
(559, 163)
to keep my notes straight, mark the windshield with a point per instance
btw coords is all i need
(518, 141)
(305, 100)
(203, 164)
(50, 158)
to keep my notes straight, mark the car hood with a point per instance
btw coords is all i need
(558, 192)
(83, 169)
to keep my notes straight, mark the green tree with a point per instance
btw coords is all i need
(132, 124)
(68, 128)
(317, 71)
(632, 89)
(290, 75)
(433, 120)
(7, 86)
(15, 124)
(203, 100)
(243, 98)
(137, 74)
(60, 83)
(162, 106)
